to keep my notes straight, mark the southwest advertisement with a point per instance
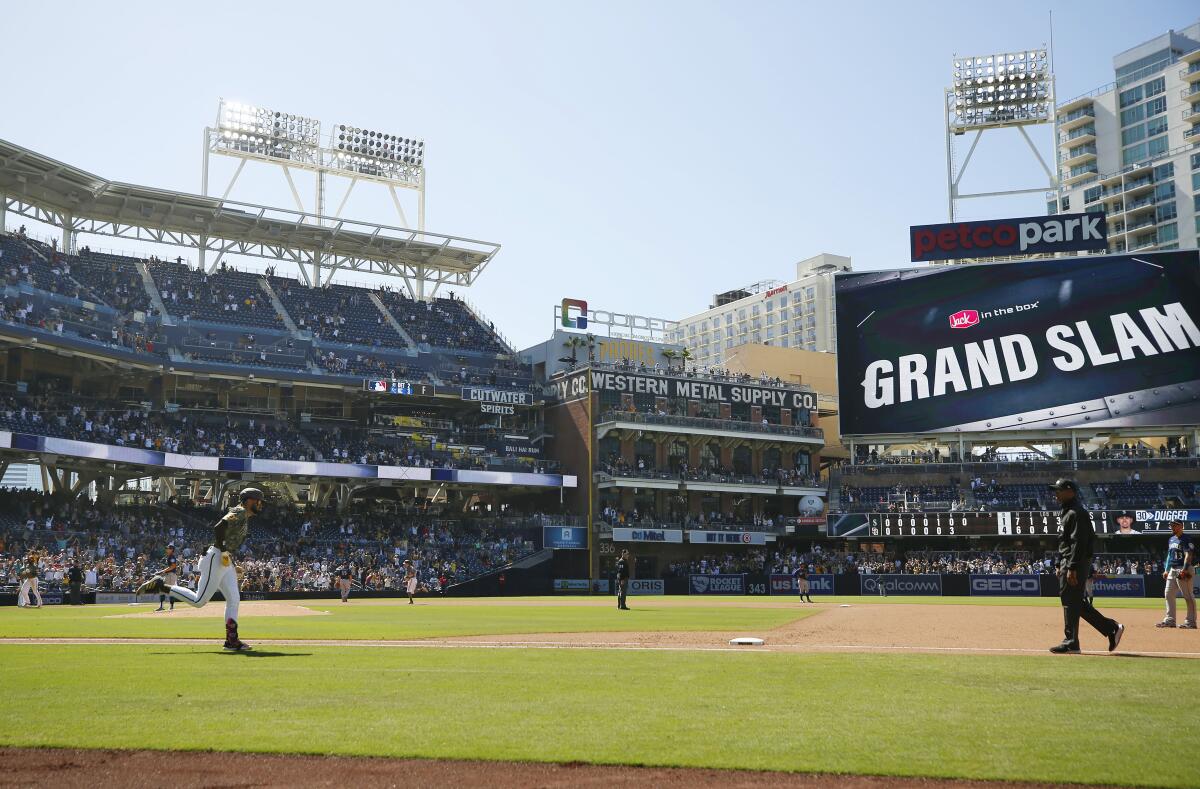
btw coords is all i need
(1042, 344)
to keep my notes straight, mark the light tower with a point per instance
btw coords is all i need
(352, 154)
(1007, 90)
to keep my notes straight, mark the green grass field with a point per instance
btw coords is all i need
(1110, 719)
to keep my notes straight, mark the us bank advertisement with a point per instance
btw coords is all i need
(1098, 342)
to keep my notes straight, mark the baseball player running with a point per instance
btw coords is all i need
(343, 581)
(217, 569)
(170, 575)
(29, 581)
(1181, 552)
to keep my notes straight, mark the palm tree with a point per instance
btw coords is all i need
(574, 344)
(670, 356)
(684, 356)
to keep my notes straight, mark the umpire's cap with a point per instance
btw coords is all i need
(251, 493)
(1064, 484)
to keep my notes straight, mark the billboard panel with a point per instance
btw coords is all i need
(1021, 236)
(1044, 344)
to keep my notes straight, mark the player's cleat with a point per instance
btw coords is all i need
(1115, 638)
(155, 585)
(1064, 649)
(1165, 623)
(1188, 626)
(239, 646)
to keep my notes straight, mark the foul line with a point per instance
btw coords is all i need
(624, 646)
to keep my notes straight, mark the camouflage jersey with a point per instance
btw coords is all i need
(30, 569)
(232, 529)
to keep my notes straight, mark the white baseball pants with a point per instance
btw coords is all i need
(214, 575)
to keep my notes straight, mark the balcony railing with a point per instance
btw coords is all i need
(1082, 131)
(778, 527)
(1192, 69)
(704, 423)
(770, 479)
(1079, 113)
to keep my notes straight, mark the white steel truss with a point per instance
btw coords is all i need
(44, 190)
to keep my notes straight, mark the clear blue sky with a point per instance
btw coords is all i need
(641, 156)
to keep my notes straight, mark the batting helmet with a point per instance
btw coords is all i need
(251, 493)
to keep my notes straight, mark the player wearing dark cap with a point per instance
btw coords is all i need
(217, 569)
(1076, 543)
(170, 576)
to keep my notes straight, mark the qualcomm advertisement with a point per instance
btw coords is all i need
(818, 583)
(717, 584)
(928, 585)
(1006, 586)
(1098, 342)
(150, 457)
(565, 538)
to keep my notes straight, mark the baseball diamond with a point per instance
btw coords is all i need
(457, 425)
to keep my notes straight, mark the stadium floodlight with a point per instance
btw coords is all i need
(245, 128)
(377, 153)
(1005, 89)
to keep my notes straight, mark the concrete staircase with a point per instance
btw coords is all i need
(152, 292)
(283, 313)
(391, 319)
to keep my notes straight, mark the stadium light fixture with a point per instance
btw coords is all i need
(247, 128)
(374, 152)
(1004, 89)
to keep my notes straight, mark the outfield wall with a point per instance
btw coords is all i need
(539, 582)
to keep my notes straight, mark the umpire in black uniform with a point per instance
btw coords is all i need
(75, 582)
(623, 580)
(1076, 545)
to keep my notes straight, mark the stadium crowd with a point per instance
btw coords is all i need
(287, 550)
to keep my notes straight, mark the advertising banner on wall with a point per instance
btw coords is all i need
(717, 584)
(573, 386)
(565, 537)
(818, 583)
(1042, 344)
(1005, 586)
(727, 537)
(622, 534)
(1120, 586)
(647, 586)
(898, 584)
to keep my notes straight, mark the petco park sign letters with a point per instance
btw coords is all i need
(1025, 236)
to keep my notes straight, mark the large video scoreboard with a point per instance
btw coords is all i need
(1000, 524)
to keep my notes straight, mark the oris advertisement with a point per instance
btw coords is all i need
(1042, 344)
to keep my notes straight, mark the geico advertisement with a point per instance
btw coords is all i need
(1098, 342)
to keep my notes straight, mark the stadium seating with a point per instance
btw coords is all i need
(337, 313)
(441, 323)
(225, 296)
(111, 279)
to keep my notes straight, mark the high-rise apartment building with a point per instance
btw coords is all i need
(1132, 147)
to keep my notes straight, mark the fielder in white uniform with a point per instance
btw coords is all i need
(29, 581)
(217, 569)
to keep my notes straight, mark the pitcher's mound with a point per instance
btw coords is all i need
(216, 610)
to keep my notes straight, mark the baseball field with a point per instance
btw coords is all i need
(537, 690)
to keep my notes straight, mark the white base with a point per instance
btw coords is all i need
(746, 642)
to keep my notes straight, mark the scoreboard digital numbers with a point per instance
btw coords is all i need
(946, 524)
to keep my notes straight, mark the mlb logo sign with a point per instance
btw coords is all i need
(964, 319)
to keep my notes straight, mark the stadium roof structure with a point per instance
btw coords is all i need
(45, 190)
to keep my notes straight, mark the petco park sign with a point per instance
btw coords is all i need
(1025, 236)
